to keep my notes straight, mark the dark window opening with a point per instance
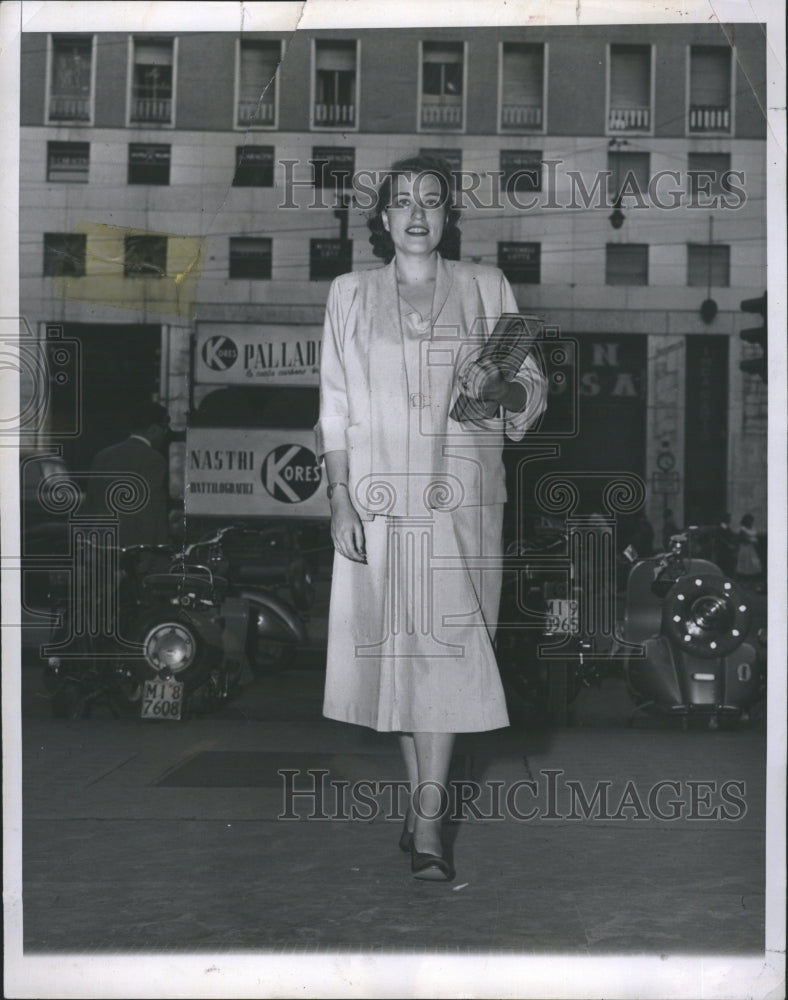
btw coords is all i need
(254, 166)
(250, 257)
(329, 258)
(69, 96)
(151, 98)
(68, 162)
(145, 257)
(64, 255)
(520, 262)
(522, 170)
(149, 164)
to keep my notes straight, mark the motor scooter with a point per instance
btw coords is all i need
(181, 638)
(544, 657)
(700, 659)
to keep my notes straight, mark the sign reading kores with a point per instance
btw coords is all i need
(246, 354)
(253, 473)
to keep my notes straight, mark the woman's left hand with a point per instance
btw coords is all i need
(485, 382)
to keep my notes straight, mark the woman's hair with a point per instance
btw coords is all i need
(382, 244)
(748, 520)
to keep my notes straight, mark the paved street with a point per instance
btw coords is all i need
(161, 837)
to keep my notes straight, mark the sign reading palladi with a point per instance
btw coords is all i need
(236, 353)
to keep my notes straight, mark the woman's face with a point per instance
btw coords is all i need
(417, 214)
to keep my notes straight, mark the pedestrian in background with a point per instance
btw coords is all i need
(748, 563)
(140, 454)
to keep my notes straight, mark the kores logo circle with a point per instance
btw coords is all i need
(219, 353)
(290, 473)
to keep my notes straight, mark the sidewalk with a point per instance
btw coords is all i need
(165, 837)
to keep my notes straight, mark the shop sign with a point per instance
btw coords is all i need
(243, 354)
(253, 473)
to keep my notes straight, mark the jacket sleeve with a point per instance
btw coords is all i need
(333, 418)
(530, 376)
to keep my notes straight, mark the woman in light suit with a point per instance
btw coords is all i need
(416, 497)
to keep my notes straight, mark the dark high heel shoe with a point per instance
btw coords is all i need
(406, 838)
(430, 867)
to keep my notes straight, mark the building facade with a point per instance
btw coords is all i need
(177, 190)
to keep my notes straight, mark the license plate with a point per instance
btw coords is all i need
(162, 700)
(562, 617)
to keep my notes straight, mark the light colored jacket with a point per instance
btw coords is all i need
(405, 453)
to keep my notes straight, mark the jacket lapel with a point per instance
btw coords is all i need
(444, 278)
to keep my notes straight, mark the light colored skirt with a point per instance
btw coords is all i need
(410, 632)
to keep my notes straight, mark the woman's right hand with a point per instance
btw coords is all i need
(347, 531)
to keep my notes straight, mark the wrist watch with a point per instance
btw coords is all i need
(332, 487)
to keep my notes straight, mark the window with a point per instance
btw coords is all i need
(149, 163)
(522, 170)
(250, 257)
(708, 266)
(259, 61)
(64, 255)
(707, 176)
(520, 262)
(152, 81)
(329, 258)
(70, 78)
(522, 87)
(335, 84)
(626, 264)
(629, 107)
(629, 173)
(254, 166)
(451, 156)
(145, 257)
(441, 85)
(710, 89)
(334, 167)
(68, 161)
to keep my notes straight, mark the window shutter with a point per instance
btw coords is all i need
(630, 76)
(434, 53)
(153, 53)
(522, 74)
(258, 67)
(710, 77)
(336, 57)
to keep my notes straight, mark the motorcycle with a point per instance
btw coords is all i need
(701, 657)
(181, 640)
(544, 656)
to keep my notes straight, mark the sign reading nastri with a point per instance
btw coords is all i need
(245, 354)
(253, 473)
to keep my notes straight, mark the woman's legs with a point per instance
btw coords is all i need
(408, 748)
(433, 757)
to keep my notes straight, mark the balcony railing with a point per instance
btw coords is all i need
(629, 119)
(335, 114)
(69, 108)
(521, 116)
(441, 116)
(709, 119)
(255, 112)
(151, 109)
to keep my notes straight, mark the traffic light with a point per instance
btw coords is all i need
(756, 335)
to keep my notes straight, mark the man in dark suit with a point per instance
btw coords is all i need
(139, 455)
